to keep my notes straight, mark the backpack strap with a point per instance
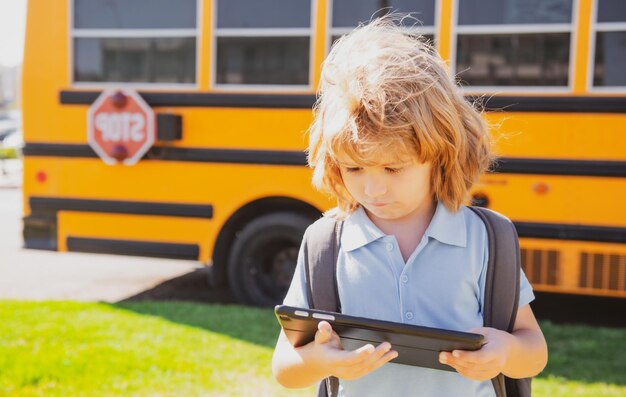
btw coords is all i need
(503, 277)
(321, 249)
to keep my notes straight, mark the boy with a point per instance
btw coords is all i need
(398, 146)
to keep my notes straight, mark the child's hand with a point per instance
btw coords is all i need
(327, 354)
(485, 363)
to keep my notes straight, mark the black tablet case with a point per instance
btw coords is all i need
(416, 345)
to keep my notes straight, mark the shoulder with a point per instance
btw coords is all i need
(323, 225)
(493, 216)
(495, 222)
(320, 232)
(472, 219)
(479, 220)
(475, 227)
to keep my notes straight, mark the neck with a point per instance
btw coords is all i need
(414, 224)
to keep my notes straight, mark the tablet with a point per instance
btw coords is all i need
(416, 345)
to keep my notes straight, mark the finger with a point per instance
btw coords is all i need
(381, 355)
(324, 332)
(474, 373)
(482, 356)
(450, 359)
(355, 357)
(369, 349)
(470, 370)
(465, 369)
(384, 359)
(360, 369)
(379, 352)
(459, 366)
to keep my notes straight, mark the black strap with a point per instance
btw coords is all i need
(321, 249)
(322, 241)
(503, 271)
(503, 276)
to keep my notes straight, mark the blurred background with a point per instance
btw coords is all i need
(12, 26)
(154, 188)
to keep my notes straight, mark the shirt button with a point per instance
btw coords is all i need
(404, 278)
(389, 247)
(409, 316)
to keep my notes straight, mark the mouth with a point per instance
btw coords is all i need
(378, 204)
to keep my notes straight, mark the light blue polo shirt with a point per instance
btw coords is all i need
(441, 285)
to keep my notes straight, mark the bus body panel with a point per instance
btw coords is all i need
(580, 136)
(562, 176)
(567, 199)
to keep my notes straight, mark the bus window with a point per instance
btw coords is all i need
(609, 69)
(264, 43)
(514, 43)
(347, 14)
(136, 42)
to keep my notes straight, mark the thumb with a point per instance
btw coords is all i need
(324, 332)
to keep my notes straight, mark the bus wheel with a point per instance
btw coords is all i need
(263, 257)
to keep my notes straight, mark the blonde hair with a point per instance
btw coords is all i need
(384, 90)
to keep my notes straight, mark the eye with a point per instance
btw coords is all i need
(353, 169)
(393, 170)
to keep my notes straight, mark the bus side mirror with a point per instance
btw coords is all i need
(169, 127)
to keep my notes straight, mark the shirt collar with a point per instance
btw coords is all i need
(446, 226)
(359, 230)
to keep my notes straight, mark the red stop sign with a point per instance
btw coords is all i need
(120, 126)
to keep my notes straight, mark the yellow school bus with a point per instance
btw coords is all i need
(231, 84)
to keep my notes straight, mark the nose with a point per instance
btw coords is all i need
(374, 187)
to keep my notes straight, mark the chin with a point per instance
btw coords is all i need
(383, 213)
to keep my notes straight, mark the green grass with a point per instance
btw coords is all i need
(583, 361)
(136, 349)
(186, 349)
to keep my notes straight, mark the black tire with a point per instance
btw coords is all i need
(263, 257)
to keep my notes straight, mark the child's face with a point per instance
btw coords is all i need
(392, 190)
